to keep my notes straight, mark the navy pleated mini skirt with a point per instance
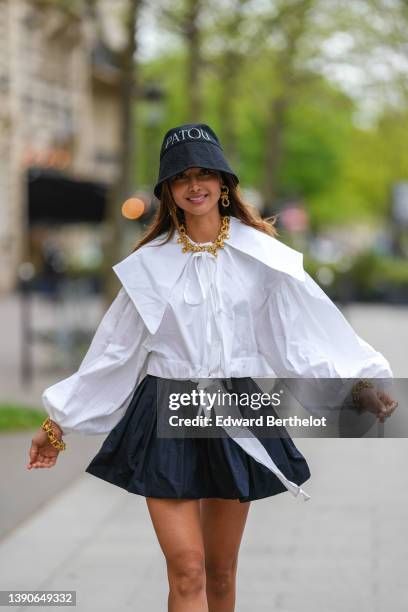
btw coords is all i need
(134, 458)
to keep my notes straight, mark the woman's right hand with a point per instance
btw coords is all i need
(42, 453)
(377, 401)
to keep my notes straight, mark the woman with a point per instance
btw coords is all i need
(209, 293)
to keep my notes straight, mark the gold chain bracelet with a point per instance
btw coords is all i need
(357, 388)
(54, 441)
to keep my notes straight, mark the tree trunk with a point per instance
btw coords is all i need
(121, 190)
(231, 67)
(294, 26)
(193, 81)
(274, 152)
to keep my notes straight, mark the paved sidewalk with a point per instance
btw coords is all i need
(342, 550)
(23, 491)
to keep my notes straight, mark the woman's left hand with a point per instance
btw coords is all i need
(378, 402)
(42, 453)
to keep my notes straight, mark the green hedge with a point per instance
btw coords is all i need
(369, 276)
(19, 418)
(371, 270)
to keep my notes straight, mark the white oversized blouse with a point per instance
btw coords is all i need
(250, 311)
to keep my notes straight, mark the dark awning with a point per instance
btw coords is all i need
(56, 198)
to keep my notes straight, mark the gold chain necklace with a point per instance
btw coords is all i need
(211, 248)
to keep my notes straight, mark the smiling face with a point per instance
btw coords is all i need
(196, 190)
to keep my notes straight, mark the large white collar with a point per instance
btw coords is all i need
(150, 273)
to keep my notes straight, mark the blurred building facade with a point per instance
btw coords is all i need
(59, 113)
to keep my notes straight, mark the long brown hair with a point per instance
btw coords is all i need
(169, 216)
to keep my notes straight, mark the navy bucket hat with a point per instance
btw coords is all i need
(193, 145)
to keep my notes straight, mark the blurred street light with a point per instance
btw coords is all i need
(133, 208)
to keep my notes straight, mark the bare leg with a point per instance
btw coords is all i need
(223, 522)
(178, 529)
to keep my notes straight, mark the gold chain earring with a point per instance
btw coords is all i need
(224, 196)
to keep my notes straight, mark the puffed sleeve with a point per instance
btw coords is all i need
(94, 399)
(304, 335)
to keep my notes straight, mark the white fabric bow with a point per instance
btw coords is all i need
(200, 276)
